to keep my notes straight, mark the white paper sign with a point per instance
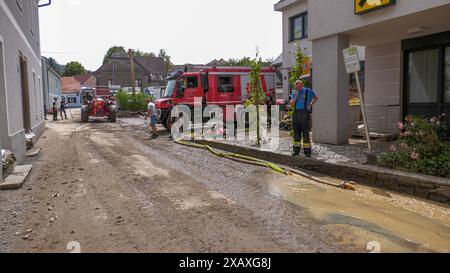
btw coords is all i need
(351, 60)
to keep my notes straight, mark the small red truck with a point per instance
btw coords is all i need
(93, 105)
(219, 86)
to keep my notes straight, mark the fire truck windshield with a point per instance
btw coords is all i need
(170, 89)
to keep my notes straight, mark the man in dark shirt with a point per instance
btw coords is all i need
(62, 108)
(55, 109)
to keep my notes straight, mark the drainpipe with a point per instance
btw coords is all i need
(46, 4)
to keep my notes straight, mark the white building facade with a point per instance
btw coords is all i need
(407, 59)
(21, 98)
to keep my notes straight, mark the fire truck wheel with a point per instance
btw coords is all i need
(84, 116)
(168, 124)
(113, 116)
(164, 125)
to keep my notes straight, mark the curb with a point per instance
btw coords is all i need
(17, 178)
(424, 186)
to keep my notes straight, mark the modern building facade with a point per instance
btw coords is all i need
(51, 84)
(21, 98)
(407, 56)
(295, 35)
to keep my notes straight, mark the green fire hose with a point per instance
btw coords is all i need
(258, 162)
(235, 157)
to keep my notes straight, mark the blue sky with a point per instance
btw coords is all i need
(194, 31)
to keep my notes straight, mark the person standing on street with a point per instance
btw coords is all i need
(302, 100)
(55, 109)
(151, 114)
(62, 108)
(270, 101)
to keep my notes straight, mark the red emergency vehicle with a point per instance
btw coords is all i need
(219, 86)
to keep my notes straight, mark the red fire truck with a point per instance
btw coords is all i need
(219, 86)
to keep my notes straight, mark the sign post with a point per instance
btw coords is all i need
(352, 65)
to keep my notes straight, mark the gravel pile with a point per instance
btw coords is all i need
(329, 153)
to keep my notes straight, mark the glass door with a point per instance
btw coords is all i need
(423, 94)
(426, 77)
(447, 75)
(446, 88)
(423, 76)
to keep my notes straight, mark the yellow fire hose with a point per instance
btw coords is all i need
(258, 162)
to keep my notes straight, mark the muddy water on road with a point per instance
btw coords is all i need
(395, 223)
(359, 219)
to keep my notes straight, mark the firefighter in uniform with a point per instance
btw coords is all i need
(303, 100)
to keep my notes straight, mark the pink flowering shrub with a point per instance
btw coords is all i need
(420, 147)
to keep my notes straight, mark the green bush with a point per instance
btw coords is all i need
(129, 102)
(420, 148)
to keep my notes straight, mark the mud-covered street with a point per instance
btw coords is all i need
(108, 188)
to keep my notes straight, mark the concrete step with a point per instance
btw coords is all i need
(17, 178)
(34, 152)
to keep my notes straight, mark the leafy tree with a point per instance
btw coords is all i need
(167, 59)
(247, 61)
(74, 68)
(297, 69)
(144, 54)
(295, 74)
(111, 51)
(257, 96)
(131, 102)
(55, 65)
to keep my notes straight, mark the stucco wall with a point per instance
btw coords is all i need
(28, 20)
(337, 16)
(15, 42)
(4, 136)
(383, 87)
(54, 84)
(383, 74)
(330, 82)
(290, 47)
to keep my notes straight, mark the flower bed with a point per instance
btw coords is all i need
(420, 148)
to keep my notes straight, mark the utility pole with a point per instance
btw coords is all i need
(133, 74)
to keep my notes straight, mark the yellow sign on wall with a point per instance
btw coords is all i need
(365, 6)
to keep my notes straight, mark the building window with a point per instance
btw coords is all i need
(447, 74)
(34, 16)
(191, 82)
(35, 93)
(128, 66)
(41, 99)
(298, 27)
(115, 65)
(226, 84)
(138, 83)
(423, 79)
(72, 100)
(19, 5)
(110, 83)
